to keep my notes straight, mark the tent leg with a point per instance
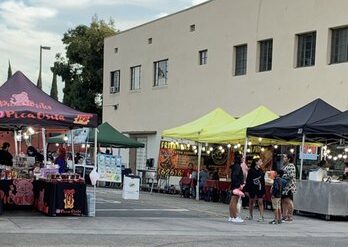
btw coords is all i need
(198, 169)
(15, 141)
(72, 150)
(44, 145)
(302, 152)
(245, 148)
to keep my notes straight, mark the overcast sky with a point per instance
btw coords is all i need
(27, 24)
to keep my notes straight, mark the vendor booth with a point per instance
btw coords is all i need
(315, 122)
(25, 109)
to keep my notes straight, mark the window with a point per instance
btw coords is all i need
(266, 47)
(116, 50)
(149, 41)
(241, 60)
(115, 81)
(161, 73)
(339, 45)
(193, 28)
(135, 77)
(203, 57)
(306, 49)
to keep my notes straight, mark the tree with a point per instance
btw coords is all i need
(54, 87)
(82, 67)
(9, 71)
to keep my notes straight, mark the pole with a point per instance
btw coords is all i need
(95, 158)
(198, 169)
(15, 141)
(43, 132)
(302, 152)
(72, 149)
(245, 148)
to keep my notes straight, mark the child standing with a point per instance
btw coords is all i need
(276, 198)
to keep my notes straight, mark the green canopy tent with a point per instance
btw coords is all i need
(107, 136)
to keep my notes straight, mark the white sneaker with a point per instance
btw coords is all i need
(230, 219)
(238, 220)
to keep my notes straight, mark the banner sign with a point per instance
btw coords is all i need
(109, 168)
(309, 152)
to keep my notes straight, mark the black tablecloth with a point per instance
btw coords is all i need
(60, 198)
(17, 193)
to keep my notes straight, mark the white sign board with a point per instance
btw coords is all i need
(109, 168)
(131, 187)
(309, 152)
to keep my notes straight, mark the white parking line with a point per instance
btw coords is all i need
(100, 200)
(143, 210)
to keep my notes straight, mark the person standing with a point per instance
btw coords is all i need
(237, 179)
(61, 160)
(276, 191)
(255, 186)
(290, 188)
(5, 156)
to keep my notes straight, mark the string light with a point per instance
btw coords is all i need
(249, 143)
(275, 146)
(208, 152)
(229, 145)
(248, 150)
(195, 151)
(88, 146)
(220, 148)
(83, 146)
(235, 146)
(65, 138)
(335, 158)
(346, 150)
(260, 139)
(25, 137)
(194, 147)
(329, 157)
(203, 149)
(345, 156)
(188, 145)
(238, 145)
(57, 144)
(262, 149)
(292, 150)
(211, 149)
(340, 156)
(328, 151)
(31, 131)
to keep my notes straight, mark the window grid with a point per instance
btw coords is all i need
(339, 45)
(115, 81)
(306, 49)
(160, 73)
(203, 57)
(241, 60)
(135, 77)
(266, 47)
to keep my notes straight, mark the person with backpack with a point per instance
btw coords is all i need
(276, 191)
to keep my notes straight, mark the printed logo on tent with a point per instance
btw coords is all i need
(69, 199)
(22, 99)
(82, 119)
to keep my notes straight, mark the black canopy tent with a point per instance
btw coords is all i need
(335, 127)
(294, 125)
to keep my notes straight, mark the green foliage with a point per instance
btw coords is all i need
(54, 87)
(9, 71)
(82, 67)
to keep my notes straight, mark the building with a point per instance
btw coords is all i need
(234, 54)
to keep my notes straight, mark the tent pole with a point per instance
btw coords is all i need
(95, 157)
(302, 152)
(245, 148)
(43, 132)
(198, 169)
(72, 149)
(15, 141)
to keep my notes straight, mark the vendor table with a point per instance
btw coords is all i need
(330, 199)
(16, 193)
(60, 198)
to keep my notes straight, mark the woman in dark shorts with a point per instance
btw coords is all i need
(237, 180)
(290, 188)
(255, 187)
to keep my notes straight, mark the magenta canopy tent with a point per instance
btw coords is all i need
(24, 104)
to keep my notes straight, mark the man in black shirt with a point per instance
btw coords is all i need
(5, 156)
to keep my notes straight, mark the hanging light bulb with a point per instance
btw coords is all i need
(329, 157)
(182, 147)
(25, 136)
(346, 150)
(31, 131)
(260, 139)
(345, 156)
(335, 158)
(328, 151)
(292, 150)
(65, 138)
(57, 144)
(248, 150)
(188, 145)
(229, 145)
(249, 143)
(195, 151)
(262, 149)
(88, 146)
(194, 147)
(220, 148)
(203, 149)
(340, 156)
(211, 149)
(83, 146)
(235, 147)
(275, 146)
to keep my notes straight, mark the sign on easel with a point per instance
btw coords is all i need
(109, 168)
(309, 152)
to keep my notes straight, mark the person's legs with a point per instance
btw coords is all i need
(261, 208)
(251, 206)
(233, 206)
(285, 207)
(290, 209)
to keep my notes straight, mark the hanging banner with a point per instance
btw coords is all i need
(109, 168)
(309, 152)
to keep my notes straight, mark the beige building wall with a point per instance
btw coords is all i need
(194, 90)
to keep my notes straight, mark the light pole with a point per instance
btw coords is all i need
(39, 80)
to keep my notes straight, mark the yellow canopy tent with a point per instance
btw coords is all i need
(236, 131)
(196, 129)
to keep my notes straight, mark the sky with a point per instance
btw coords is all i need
(27, 24)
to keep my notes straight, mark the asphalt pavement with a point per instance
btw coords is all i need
(163, 220)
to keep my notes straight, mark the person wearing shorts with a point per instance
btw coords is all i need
(255, 187)
(290, 188)
(276, 198)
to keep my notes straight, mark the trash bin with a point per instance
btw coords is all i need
(91, 204)
(131, 187)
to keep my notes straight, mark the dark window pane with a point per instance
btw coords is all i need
(339, 45)
(241, 60)
(306, 49)
(266, 48)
